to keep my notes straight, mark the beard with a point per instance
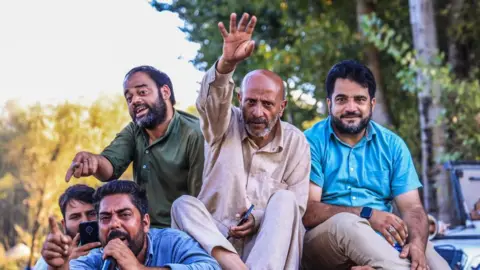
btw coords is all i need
(135, 244)
(156, 114)
(70, 232)
(351, 129)
(260, 120)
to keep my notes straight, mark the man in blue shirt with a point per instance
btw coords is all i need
(358, 169)
(126, 237)
(76, 205)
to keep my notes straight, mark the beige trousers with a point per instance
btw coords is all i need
(276, 245)
(346, 240)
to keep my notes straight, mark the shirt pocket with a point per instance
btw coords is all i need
(378, 181)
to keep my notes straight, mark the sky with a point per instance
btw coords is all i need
(57, 50)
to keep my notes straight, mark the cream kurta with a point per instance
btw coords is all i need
(237, 173)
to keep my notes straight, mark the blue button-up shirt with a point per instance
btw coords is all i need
(371, 173)
(169, 248)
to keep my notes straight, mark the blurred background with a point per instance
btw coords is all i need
(62, 65)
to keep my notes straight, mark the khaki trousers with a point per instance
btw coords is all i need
(347, 240)
(276, 245)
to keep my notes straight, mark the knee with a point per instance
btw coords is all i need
(284, 197)
(342, 222)
(182, 203)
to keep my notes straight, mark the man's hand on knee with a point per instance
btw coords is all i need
(390, 226)
(416, 255)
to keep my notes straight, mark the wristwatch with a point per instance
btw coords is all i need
(366, 212)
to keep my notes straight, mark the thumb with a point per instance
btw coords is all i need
(405, 251)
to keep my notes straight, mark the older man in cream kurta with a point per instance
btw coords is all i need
(251, 158)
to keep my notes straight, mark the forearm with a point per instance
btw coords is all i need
(318, 212)
(417, 223)
(214, 104)
(105, 169)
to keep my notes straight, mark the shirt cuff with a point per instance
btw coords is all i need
(258, 216)
(216, 78)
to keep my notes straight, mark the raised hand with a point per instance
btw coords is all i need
(84, 164)
(56, 249)
(237, 44)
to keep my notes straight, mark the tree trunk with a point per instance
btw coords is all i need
(381, 114)
(432, 134)
(456, 51)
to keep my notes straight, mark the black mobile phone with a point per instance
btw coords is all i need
(88, 232)
(245, 216)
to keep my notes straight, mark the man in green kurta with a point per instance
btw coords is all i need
(165, 145)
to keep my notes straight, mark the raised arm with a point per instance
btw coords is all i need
(214, 100)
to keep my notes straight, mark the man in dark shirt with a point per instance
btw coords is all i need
(165, 145)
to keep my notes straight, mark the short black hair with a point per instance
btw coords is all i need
(79, 192)
(354, 71)
(160, 78)
(137, 195)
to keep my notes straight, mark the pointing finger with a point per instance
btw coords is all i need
(53, 225)
(71, 171)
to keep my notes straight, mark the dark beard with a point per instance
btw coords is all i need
(69, 233)
(155, 116)
(345, 129)
(135, 244)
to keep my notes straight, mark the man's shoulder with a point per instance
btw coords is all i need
(318, 129)
(157, 234)
(292, 132)
(189, 123)
(387, 136)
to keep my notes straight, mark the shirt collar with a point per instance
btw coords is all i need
(170, 128)
(149, 255)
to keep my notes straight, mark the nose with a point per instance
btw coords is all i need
(136, 100)
(114, 223)
(351, 106)
(257, 111)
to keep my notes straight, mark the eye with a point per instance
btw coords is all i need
(267, 104)
(104, 218)
(250, 102)
(142, 92)
(129, 99)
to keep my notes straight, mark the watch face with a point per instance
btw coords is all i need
(366, 212)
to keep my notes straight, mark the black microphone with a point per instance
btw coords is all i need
(109, 264)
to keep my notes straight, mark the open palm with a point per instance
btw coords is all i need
(238, 43)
